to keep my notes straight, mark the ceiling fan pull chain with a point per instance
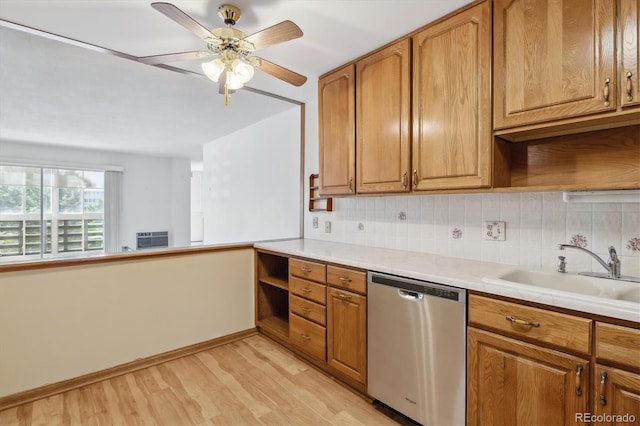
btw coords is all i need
(226, 93)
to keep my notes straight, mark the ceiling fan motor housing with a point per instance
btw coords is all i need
(229, 13)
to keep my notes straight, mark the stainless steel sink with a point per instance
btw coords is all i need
(572, 283)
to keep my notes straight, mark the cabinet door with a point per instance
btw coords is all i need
(630, 52)
(383, 99)
(347, 333)
(452, 102)
(515, 383)
(336, 103)
(616, 393)
(553, 59)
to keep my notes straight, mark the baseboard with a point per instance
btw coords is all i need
(31, 395)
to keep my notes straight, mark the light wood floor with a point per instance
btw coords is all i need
(249, 382)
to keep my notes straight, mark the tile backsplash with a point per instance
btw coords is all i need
(453, 225)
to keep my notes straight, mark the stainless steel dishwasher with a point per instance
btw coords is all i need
(417, 348)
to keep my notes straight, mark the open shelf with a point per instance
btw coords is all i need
(275, 281)
(272, 293)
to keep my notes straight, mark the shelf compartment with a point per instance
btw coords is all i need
(272, 309)
(273, 269)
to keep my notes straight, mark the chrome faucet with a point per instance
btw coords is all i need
(612, 266)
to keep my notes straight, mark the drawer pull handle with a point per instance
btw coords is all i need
(606, 91)
(345, 279)
(628, 75)
(305, 336)
(344, 296)
(603, 381)
(579, 369)
(305, 309)
(305, 270)
(522, 322)
(306, 290)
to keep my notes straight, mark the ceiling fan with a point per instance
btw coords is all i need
(233, 64)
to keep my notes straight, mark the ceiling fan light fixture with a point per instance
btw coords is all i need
(234, 82)
(213, 69)
(243, 70)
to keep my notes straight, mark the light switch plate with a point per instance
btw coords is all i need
(315, 221)
(494, 230)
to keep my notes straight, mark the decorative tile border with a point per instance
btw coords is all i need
(456, 233)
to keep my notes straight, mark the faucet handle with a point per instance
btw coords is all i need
(562, 264)
(612, 254)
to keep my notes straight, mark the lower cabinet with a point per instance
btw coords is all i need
(347, 333)
(532, 365)
(317, 310)
(616, 382)
(516, 383)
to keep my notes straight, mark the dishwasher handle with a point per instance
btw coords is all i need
(410, 295)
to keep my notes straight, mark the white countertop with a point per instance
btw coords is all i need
(452, 271)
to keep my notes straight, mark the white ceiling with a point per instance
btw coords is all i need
(55, 92)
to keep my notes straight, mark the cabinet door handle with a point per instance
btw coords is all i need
(305, 336)
(522, 322)
(579, 369)
(606, 91)
(415, 178)
(603, 382)
(350, 184)
(629, 85)
(404, 180)
(344, 296)
(345, 279)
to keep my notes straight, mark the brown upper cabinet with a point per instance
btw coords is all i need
(336, 105)
(452, 102)
(556, 60)
(451, 126)
(383, 134)
(630, 52)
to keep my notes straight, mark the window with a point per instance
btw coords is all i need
(49, 212)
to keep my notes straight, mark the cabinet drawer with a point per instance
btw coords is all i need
(308, 270)
(308, 309)
(347, 279)
(308, 290)
(308, 337)
(618, 344)
(562, 330)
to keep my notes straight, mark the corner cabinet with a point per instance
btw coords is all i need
(383, 134)
(452, 102)
(319, 311)
(336, 110)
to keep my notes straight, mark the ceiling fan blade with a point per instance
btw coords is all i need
(282, 73)
(182, 18)
(284, 31)
(174, 57)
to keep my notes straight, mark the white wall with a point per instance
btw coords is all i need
(251, 182)
(155, 189)
(61, 323)
(535, 223)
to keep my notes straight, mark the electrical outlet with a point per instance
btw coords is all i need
(494, 230)
(327, 226)
(315, 221)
